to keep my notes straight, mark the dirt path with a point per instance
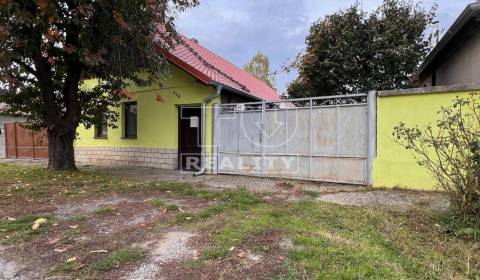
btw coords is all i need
(173, 247)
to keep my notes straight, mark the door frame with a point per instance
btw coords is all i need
(179, 130)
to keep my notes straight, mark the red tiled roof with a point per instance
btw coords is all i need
(208, 67)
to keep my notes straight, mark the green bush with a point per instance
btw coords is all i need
(450, 151)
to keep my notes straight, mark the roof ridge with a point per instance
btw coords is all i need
(211, 66)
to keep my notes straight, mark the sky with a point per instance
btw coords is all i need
(237, 29)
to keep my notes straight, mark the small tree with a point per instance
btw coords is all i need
(259, 66)
(450, 151)
(48, 48)
(352, 51)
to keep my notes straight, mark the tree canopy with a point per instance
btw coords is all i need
(259, 66)
(48, 48)
(352, 51)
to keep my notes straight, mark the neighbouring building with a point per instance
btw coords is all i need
(455, 60)
(5, 121)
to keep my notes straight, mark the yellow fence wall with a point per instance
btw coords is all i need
(395, 166)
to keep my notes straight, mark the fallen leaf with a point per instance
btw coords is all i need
(72, 259)
(53, 241)
(80, 266)
(11, 219)
(73, 227)
(60, 250)
(188, 218)
(98, 251)
(242, 255)
(231, 249)
(38, 222)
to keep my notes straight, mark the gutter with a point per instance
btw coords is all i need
(203, 156)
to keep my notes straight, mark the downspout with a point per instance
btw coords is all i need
(203, 156)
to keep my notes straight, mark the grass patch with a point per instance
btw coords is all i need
(331, 241)
(104, 210)
(64, 267)
(311, 193)
(193, 264)
(21, 229)
(156, 202)
(184, 218)
(172, 207)
(159, 203)
(78, 218)
(453, 224)
(231, 200)
(118, 258)
(339, 242)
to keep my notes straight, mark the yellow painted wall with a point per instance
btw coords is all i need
(157, 122)
(394, 165)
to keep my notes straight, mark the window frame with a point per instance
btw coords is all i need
(104, 125)
(125, 122)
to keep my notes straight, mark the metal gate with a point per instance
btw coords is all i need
(21, 142)
(329, 139)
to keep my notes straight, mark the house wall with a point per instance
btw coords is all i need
(394, 165)
(460, 66)
(156, 144)
(5, 119)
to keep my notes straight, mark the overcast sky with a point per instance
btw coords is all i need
(237, 29)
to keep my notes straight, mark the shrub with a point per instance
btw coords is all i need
(450, 151)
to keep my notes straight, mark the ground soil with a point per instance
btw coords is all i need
(81, 231)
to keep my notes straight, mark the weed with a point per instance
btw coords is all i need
(171, 207)
(64, 267)
(156, 202)
(193, 264)
(311, 193)
(119, 257)
(104, 210)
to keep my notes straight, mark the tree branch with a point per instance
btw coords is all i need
(24, 65)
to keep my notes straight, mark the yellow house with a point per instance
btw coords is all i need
(172, 127)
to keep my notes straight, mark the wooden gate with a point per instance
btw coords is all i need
(21, 142)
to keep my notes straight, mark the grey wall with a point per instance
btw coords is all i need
(461, 65)
(5, 119)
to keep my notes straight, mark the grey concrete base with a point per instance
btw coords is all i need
(142, 157)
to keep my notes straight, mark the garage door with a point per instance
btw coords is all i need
(21, 142)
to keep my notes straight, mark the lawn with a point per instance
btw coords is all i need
(103, 227)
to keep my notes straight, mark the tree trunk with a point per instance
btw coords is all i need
(61, 154)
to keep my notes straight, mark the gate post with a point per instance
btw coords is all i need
(262, 140)
(372, 134)
(216, 131)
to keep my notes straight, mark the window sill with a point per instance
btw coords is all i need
(101, 137)
(129, 138)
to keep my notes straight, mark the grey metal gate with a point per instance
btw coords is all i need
(329, 139)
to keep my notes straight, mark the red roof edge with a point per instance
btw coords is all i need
(185, 66)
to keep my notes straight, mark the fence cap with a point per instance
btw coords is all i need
(429, 90)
